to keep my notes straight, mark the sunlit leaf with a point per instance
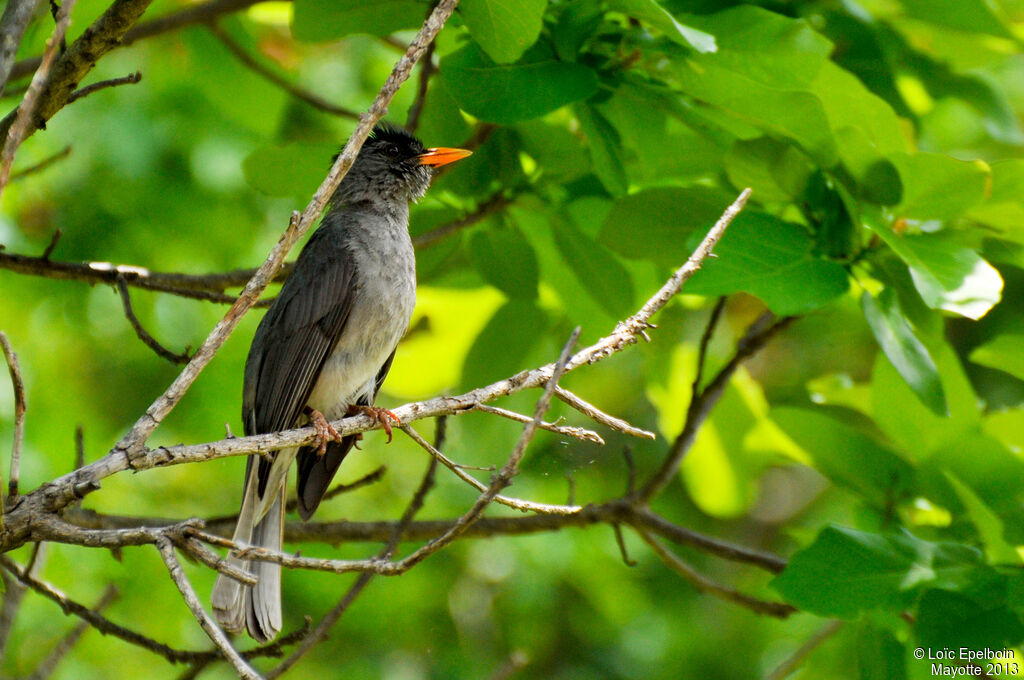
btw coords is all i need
(846, 572)
(504, 29)
(509, 93)
(1005, 352)
(656, 15)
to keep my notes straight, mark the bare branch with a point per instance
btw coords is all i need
(130, 79)
(16, 17)
(620, 540)
(21, 124)
(591, 411)
(580, 433)
(142, 333)
(19, 414)
(427, 70)
(39, 167)
(701, 405)
(705, 585)
(787, 667)
(14, 593)
(243, 669)
(516, 503)
(299, 93)
(705, 342)
(196, 286)
(494, 204)
(68, 642)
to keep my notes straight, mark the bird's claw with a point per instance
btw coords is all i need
(325, 432)
(381, 415)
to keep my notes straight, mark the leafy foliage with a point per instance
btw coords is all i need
(878, 442)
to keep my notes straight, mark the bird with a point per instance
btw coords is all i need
(322, 351)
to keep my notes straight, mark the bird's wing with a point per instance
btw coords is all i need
(295, 338)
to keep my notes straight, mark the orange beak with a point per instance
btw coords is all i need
(442, 156)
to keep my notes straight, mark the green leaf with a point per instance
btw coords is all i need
(986, 521)
(948, 275)
(657, 16)
(655, 224)
(292, 170)
(502, 346)
(1005, 352)
(505, 259)
(978, 16)
(504, 29)
(903, 417)
(774, 73)
(509, 93)
(605, 149)
(954, 620)
(603, 276)
(847, 454)
(774, 170)
(908, 354)
(316, 21)
(846, 572)
(938, 187)
(879, 655)
(772, 259)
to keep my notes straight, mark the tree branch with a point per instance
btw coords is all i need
(16, 17)
(705, 585)
(142, 333)
(130, 79)
(259, 69)
(243, 669)
(18, 383)
(21, 123)
(75, 63)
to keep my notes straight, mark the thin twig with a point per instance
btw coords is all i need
(19, 128)
(39, 167)
(68, 642)
(129, 79)
(79, 446)
(494, 204)
(243, 669)
(369, 478)
(53, 240)
(786, 668)
(703, 584)
(591, 411)
(580, 433)
(142, 333)
(16, 17)
(705, 342)
(14, 593)
(19, 414)
(459, 470)
(259, 69)
(621, 541)
(701, 405)
(427, 70)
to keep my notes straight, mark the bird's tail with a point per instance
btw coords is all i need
(256, 608)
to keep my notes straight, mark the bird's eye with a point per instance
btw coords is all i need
(393, 151)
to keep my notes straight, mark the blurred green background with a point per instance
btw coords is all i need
(882, 140)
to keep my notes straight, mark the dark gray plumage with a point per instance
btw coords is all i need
(326, 344)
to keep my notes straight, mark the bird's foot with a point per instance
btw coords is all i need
(381, 415)
(325, 432)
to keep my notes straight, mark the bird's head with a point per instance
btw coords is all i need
(393, 166)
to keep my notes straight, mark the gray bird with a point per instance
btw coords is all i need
(322, 351)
